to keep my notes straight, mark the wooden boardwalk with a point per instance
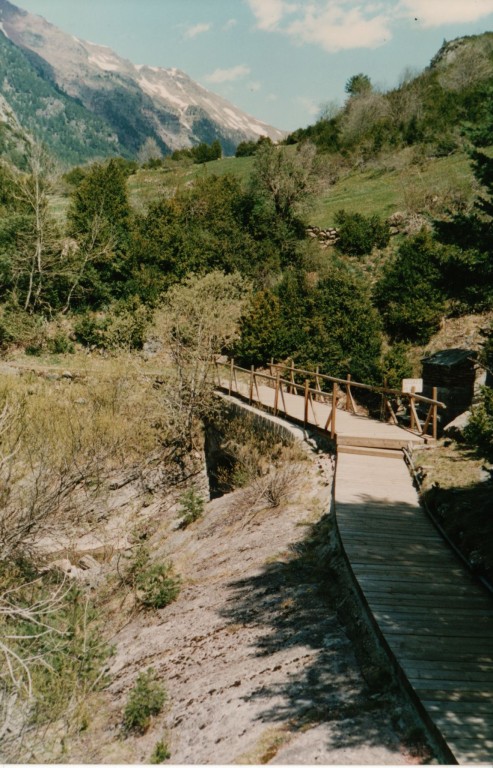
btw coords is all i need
(436, 621)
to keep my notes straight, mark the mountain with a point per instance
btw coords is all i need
(55, 82)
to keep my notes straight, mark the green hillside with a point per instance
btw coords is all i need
(69, 131)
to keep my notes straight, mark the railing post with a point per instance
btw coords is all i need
(382, 404)
(334, 409)
(252, 376)
(276, 395)
(292, 378)
(411, 407)
(307, 386)
(348, 391)
(435, 413)
(317, 382)
(271, 366)
(231, 371)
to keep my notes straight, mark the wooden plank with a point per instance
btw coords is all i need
(458, 708)
(384, 598)
(417, 627)
(444, 673)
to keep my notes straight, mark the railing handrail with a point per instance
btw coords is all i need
(380, 390)
(385, 392)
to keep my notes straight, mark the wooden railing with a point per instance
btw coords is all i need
(250, 378)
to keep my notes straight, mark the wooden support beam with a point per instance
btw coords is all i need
(305, 416)
(276, 395)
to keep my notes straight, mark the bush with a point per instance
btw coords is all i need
(146, 700)
(479, 431)
(60, 344)
(160, 753)
(191, 507)
(123, 327)
(90, 330)
(397, 365)
(409, 295)
(154, 584)
(358, 234)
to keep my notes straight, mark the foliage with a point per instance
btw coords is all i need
(202, 153)
(396, 364)
(52, 647)
(359, 234)
(479, 430)
(358, 85)
(160, 753)
(191, 507)
(248, 148)
(331, 322)
(122, 327)
(154, 583)
(146, 700)
(409, 294)
(99, 220)
(260, 329)
(198, 321)
(468, 269)
(156, 586)
(247, 449)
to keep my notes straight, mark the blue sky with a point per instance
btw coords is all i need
(278, 60)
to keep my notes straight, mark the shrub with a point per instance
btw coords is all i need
(60, 344)
(154, 583)
(156, 586)
(409, 295)
(90, 330)
(396, 365)
(358, 234)
(160, 753)
(191, 507)
(479, 431)
(123, 327)
(146, 700)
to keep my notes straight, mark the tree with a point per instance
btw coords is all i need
(99, 219)
(359, 234)
(358, 85)
(32, 261)
(409, 294)
(281, 184)
(468, 266)
(345, 330)
(199, 319)
(261, 330)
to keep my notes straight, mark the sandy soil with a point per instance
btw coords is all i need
(256, 662)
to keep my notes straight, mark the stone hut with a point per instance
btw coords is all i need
(454, 372)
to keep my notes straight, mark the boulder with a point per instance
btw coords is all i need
(455, 428)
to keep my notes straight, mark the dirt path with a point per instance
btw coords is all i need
(257, 665)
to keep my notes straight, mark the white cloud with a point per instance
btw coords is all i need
(336, 27)
(197, 29)
(434, 13)
(230, 24)
(332, 24)
(269, 12)
(228, 75)
(254, 86)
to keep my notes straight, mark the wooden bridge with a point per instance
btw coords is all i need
(434, 619)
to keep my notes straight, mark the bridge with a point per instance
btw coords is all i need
(433, 618)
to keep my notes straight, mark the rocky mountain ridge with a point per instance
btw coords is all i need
(127, 102)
